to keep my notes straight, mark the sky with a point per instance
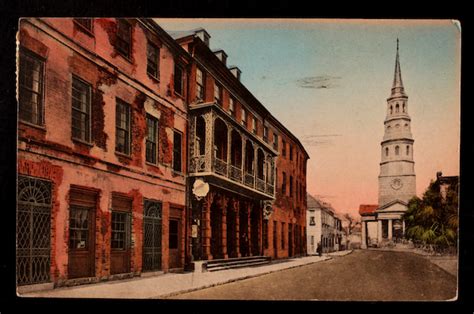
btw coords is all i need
(328, 80)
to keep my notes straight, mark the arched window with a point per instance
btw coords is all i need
(391, 109)
(403, 107)
(408, 150)
(406, 125)
(397, 108)
(397, 150)
(386, 151)
(388, 127)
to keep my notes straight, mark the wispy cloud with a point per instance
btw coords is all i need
(318, 139)
(318, 82)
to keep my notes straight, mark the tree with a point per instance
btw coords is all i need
(433, 219)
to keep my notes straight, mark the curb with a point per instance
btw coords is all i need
(168, 295)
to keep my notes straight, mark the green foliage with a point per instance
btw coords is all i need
(432, 219)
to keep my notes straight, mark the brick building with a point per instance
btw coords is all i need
(252, 167)
(104, 189)
(101, 150)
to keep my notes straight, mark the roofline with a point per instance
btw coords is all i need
(266, 112)
(171, 42)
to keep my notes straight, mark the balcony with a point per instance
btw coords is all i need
(228, 155)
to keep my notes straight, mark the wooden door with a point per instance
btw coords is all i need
(121, 235)
(174, 243)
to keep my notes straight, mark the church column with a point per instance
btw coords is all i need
(364, 235)
(379, 231)
(390, 227)
(403, 227)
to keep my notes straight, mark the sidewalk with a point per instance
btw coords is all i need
(170, 284)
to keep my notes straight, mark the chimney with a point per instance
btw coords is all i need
(203, 35)
(236, 71)
(221, 55)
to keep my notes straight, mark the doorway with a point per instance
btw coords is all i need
(152, 222)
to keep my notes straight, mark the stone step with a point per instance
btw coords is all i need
(217, 268)
(222, 264)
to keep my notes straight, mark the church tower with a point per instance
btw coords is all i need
(397, 167)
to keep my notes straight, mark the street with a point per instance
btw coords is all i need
(362, 275)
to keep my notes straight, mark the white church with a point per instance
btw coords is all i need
(383, 223)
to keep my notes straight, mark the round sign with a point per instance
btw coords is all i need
(200, 188)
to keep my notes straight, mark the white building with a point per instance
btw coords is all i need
(322, 227)
(397, 180)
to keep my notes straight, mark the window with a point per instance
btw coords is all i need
(244, 117)
(218, 94)
(283, 183)
(283, 148)
(403, 107)
(397, 150)
(397, 108)
(151, 139)
(296, 189)
(81, 107)
(265, 233)
(177, 143)
(265, 133)
(282, 235)
(85, 23)
(122, 127)
(291, 186)
(31, 88)
(312, 222)
(79, 227)
(291, 152)
(408, 150)
(200, 84)
(178, 79)
(388, 128)
(174, 235)
(231, 107)
(153, 60)
(275, 141)
(391, 109)
(254, 125)
(275, 245)
(124, 38)
(120, 230)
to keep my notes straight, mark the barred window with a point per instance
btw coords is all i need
(81, 107)
(200, 84)
(151, 139)
(124, 38)
(31, 88)
(153, 60)
(122, 127)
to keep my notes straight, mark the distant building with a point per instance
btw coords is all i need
(323, 227)
(445, 182)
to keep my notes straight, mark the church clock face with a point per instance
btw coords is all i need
(396, 184)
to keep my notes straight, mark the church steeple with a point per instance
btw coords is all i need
(397, 88)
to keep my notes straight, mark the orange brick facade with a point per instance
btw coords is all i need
(234, 223)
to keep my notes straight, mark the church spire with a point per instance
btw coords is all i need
(397, 88)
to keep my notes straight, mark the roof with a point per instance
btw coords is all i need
(392, 203)
(182, 34)
(367, 209)
(312, 202)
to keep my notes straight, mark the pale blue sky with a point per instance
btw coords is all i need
(355, 60)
